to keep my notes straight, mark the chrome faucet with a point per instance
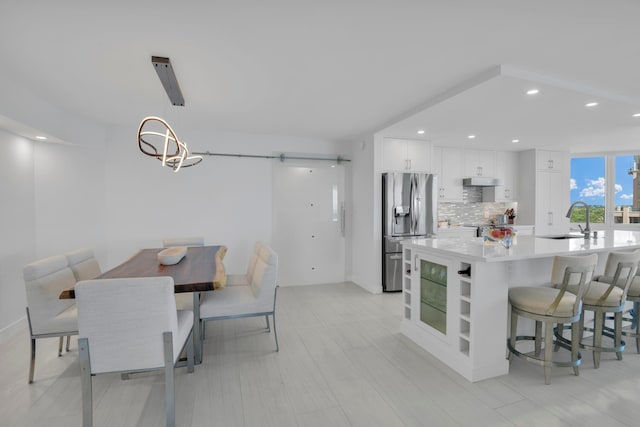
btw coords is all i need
(587, 229)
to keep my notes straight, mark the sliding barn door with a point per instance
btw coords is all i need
(308, 223)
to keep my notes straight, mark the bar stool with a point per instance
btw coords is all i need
(550, 305)
(608, 294)
(633, 295)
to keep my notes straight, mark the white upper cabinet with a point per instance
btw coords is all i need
(551, 203)
(506, 169)
(479, 163)
(448, 167)
(406, 155)
(543, 198)
(550, 160)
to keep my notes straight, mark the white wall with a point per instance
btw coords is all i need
(365, 236)
(227, 200)
(97, 190)
(69, 199)
(52, 202)
(16, 226)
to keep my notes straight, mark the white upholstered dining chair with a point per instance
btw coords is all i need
(183, 241)
(245, 278)
(130, 325)
(49, 316)
(258, 298)
(83, 263)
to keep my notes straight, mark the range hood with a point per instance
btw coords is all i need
(481, 181)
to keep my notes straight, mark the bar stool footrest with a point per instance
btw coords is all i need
(538, 360)
(606, 332)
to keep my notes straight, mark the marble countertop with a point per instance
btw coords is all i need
(527, 247)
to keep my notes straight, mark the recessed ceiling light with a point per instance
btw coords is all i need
(590, 104)
(420, 132)
(636, 115)
(532, 92)
(471, 136)
(40, 137)
(515, 141)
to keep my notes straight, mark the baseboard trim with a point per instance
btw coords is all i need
(13, 329)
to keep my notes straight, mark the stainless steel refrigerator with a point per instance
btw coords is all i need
(409, 210)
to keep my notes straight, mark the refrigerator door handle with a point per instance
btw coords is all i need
(412, 196)
(343, 213)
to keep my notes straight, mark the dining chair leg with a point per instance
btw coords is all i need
(32, 362)
(198, 326)
(169, 398)
(275, 332)
(85, 382)
(61, 342)
(190, 352)
(68, 342)
(267, 319)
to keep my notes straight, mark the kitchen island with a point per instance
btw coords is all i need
(455, 292)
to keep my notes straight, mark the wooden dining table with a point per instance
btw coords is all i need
(200, 270)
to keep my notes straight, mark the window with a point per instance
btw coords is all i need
(627, 194)
(588, 184)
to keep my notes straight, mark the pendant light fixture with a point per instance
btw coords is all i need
(174, 153)
(155, 132)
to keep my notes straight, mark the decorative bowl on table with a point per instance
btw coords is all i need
(172, 255)
(501, 235)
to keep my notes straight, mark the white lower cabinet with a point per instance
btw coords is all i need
(445, 313)
(457, 232)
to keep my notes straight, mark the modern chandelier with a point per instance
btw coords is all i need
(153, 133)
(155, 136)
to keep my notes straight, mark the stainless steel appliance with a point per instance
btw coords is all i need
(409, 210)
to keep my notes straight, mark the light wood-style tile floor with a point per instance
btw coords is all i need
(342, 362)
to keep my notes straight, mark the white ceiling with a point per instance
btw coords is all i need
(338, 69)
(496, 110)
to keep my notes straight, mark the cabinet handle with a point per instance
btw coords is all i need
(415, 262)
(409, 163)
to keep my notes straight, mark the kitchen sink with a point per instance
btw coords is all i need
(562, 236)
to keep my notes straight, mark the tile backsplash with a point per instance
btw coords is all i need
(472, 210)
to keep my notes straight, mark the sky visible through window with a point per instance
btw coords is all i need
(588, 182)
